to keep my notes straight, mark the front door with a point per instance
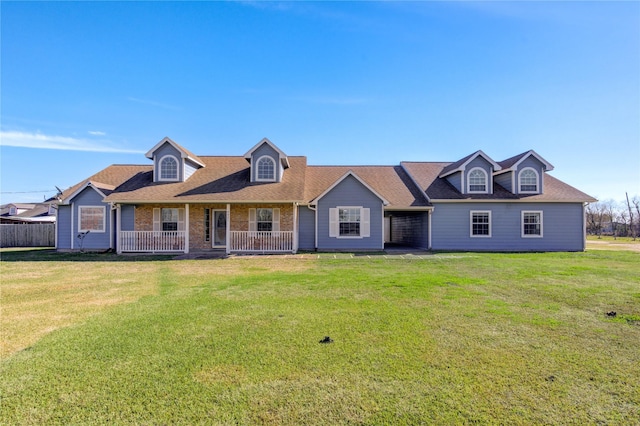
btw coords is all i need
(219, 228)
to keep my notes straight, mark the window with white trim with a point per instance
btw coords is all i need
(264, 219)
(13, 211)
(169, 219)
(477, 180)
(91, 218)
(480, 223)
(349, 222)
(207, 224)
(531, 224)
(528, 181)
(266, 169)
(168, 168)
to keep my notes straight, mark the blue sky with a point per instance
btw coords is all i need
(85, 85)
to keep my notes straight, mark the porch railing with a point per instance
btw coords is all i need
(152, 241)
(261, 241)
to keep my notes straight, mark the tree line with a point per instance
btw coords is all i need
(617, 219)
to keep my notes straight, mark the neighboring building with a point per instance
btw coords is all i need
(269, 202)
(15, 213)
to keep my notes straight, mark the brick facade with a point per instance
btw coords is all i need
(239, 219)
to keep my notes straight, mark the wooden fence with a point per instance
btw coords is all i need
(28, 235)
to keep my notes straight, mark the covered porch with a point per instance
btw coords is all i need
(179, 229)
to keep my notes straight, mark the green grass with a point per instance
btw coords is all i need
(461, 338)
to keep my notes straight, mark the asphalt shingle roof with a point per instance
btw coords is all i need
(426, 175)
(226, 179)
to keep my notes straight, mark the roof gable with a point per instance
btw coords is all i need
(283, 157)
(346, 175)
(512, 163)
(461, 164)
(101, 188)
(184, 153)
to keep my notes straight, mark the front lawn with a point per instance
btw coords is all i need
(450, 338)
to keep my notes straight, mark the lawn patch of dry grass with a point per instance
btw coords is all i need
(483, 338)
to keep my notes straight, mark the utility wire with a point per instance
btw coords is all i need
(26, 192)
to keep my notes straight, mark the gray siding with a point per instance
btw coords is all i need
(504, 180)
(479, 162)
(127, 218)
(532, 162)
(456, 180)
(307, 228)
(410, 228)
(63, 227)
(350, 192)
(265, 149)
(93, 240)
(189, 169)
(563, 227)
(167, 149)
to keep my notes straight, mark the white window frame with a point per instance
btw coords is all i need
(365, 222)
(104, 219)
(13, 210)
(158, 222)
(273, 175)
(160, 169)
(275, 219)
(475, 212)
(522, 224)
(537, 190)
(486, 181)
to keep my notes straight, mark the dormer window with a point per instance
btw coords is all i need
(528, 181)
(477, 180)
(168, 168)
(266, 169)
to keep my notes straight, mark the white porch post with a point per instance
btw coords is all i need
(296, 227)
(72, 226)
(429, 230)
(228, 230)
(118, 228)
(186, 228)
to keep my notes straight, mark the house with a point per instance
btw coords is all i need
(17, 213)
(266, 201)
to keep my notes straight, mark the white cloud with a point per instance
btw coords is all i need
(96, 133)
(42, 141)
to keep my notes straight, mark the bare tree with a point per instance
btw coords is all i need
(636, 203)
(610, 213)
(633, 235)
(595, 217)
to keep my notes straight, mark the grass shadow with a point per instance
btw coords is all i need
(51, 255)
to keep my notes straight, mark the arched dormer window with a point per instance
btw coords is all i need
(266, 169)
(168, 168)
(528, 181)
(477, 181)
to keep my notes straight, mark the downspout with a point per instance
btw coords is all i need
(315, 231)
(296, 227)
(584, 226)
(72, 225)
(429, 215)
(186, 228)
(113, 208)
(118, 227)
(56, 228)
(228, 230)
(382, 210)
